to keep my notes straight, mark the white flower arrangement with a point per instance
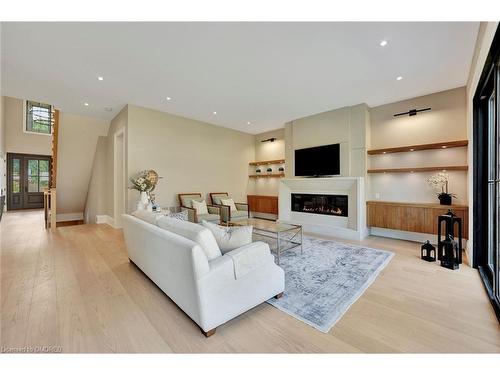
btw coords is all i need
(145, 181)
(439, 183)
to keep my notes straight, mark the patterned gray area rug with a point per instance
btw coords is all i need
(323, 282)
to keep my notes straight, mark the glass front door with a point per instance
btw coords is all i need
(27, 177)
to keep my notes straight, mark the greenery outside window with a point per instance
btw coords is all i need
(38, 117)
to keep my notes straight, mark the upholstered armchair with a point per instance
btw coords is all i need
(185, 200)
(226, 213)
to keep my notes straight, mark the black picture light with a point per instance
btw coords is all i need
(269, 140)
(412, 112)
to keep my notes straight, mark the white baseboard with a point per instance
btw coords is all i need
(105, 219)
(408, 236)
(69, 216)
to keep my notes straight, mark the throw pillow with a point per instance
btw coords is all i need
(194, 232)
(229, 202)
(183, 215)
(230, 238)
(200, 207)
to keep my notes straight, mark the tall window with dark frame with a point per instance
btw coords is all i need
(38, 117)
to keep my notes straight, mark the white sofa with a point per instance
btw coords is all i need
(209, 287)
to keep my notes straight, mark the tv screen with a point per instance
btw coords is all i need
(318, 161)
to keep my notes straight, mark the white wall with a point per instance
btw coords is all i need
(96, 200)
(76, 148)
(445, 122)
(348, 126)
(190, 155)
(16, 139)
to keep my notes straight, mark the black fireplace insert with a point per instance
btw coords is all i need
(322, 204)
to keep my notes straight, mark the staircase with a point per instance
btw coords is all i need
(49, 195)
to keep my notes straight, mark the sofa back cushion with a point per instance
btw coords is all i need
(230, 238)
(194, 232)
(147, 216)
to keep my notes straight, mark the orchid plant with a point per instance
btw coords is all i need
(439, 183)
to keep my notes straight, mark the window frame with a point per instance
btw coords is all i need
(25, 119)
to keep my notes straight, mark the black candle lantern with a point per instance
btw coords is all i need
(449, 250)
(428, 252)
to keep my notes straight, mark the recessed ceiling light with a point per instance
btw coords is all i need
(411, 149)
(100, 78)
(86, 104)
(383, 43)
(169, 98)
(399, 78)
(248, 122)
(383, 152)
(443, 146)
(215, 112)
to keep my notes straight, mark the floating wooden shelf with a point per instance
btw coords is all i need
(267, 162)
(420, 169)
(428, 146)
(267, 175)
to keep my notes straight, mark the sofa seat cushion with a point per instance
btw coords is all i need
(239, 214)
(194, 232)
(230, 238)
(209, 217)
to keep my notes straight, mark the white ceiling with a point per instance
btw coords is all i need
(263, 73)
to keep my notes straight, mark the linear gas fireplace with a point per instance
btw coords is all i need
(323, 204)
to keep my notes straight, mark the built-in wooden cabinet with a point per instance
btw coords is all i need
(412, 217)
(266, 204)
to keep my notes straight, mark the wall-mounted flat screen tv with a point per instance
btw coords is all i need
(318, 161)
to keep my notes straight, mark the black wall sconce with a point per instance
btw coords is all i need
(269, 139)
(269, 169)
(412, 112)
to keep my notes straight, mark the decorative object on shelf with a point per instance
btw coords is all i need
(269, 170)
(145, 182)
(258, 171)
(281, 169)
(428, 252)
(449, 250)
(269, 139)
(412, 112)
(439, 183)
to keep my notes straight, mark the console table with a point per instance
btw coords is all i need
(412, 217)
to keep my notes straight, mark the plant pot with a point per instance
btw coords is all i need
(445, 199)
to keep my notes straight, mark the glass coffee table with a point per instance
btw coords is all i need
(287, 236)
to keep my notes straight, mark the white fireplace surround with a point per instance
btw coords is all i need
(352, 227)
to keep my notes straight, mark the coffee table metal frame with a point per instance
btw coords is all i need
(276, 235)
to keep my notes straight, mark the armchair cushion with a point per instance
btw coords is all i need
(215, 218)
(249, 257)
(187, 198)
(200, 207)
(194, 232)
(229, 202)
(216, 197)
(239, 214)
(230, 238)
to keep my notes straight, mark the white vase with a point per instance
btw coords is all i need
(143, 202)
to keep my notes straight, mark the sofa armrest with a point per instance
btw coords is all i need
(191, 213)
(250, 257)
(213, 209)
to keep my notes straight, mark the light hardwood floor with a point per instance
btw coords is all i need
(75, 289)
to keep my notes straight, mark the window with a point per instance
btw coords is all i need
(38, 118)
